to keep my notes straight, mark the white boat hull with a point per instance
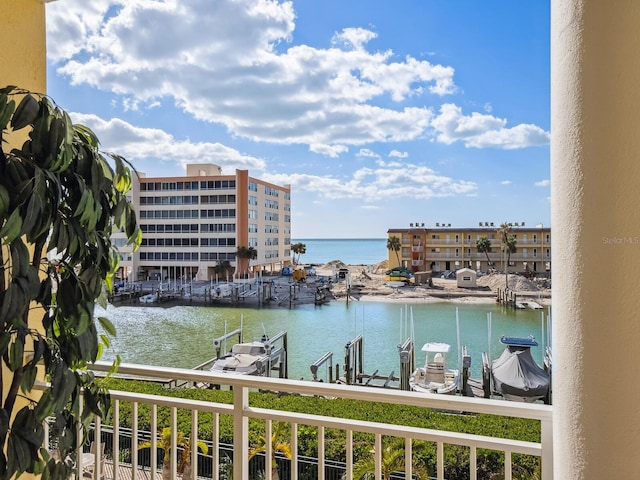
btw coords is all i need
(419, 382)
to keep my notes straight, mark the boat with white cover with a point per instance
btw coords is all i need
(435, 377)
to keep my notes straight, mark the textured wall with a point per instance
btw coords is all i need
(22, 37)
(595, 172)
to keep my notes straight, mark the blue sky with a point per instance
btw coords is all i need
(378, 113)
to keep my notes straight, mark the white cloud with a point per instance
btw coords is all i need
(365, 152)
(481, 131)
(372, 185)
(398, 154)
(228, 62)
(542, 183)
(332, 151)
(505, 182)
(353, 38)
(136, 143)
(72, 25)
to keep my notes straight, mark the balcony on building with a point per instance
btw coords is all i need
(122, 447)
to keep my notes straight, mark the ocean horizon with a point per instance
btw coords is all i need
(352, 251)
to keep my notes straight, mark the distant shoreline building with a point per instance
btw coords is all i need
(193, 223)
(446, 248)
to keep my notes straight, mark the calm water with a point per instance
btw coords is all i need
(183, 336)
(351, 251)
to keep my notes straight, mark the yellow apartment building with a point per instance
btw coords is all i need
(446, 248)
(194, 222)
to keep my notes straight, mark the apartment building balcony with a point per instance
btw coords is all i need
(442, 241)
(128, 407)
(417, 248)
(417, 263)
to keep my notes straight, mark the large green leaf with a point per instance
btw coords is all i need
(58, 193)
(26, 112)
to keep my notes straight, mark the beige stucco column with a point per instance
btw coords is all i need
(595, 178)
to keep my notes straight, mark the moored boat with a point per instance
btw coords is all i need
(435, 377)
(149, 298)
(248, 358)
(399, 274)
(515, 375)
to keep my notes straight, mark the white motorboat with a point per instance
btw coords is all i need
(149, 298)
(515, 374)
(249, 358)
(435, 377)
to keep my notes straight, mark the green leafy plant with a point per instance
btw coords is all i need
(277, 446)
(60, 202)
(392, 460)
(183, 443)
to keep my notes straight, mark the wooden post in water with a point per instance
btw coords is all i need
(466, 366)
(347, 363)
(407, 357)
(360, 359)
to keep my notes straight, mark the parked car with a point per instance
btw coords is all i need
(310, 271)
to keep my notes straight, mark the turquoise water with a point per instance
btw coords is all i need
(367, 251)
(183, 336)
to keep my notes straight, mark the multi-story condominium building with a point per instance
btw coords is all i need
(449, 248)
(193, 223)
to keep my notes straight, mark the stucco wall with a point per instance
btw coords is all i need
(595, 173)
(22, 37)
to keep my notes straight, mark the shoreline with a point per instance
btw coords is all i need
(367, 284)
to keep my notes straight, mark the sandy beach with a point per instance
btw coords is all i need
(368, 284)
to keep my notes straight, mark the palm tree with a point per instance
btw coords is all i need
(246, 254)
(184, 444)
(276, 446)
(504, 233)
(393, 460)
(393, 244)
(222, 268)
(483, 245)
(511, 248)
(299, 249)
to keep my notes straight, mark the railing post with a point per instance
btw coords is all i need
(546, 440)
(240, 433)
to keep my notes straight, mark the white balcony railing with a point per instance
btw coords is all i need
(241, 411)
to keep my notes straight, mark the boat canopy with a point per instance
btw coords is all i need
(252, 348)
(435, 347)
(519, 341)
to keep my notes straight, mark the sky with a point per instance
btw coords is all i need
(377, 113)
